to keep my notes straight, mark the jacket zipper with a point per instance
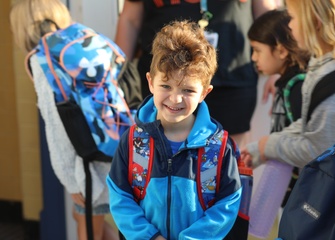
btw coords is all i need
(169, 172)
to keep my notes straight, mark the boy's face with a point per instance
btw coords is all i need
(176, 100)
(268, 61)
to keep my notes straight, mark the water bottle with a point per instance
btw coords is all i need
(268, 196)
(247, 182)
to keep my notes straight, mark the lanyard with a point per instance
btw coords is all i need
(206, 15)
(203, 6)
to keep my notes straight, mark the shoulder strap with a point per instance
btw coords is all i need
(51, 67)
(287, 91)
(323, 89)
(210, 161)
(141, 151)
(328, 152)
(27, 64)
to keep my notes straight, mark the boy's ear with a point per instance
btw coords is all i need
(151, 88)
(205, 92)
(283, 52)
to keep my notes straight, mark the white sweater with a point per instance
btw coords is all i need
(67, 165)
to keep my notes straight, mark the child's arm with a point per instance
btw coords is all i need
(218, 220)
(297, 148)
(253, 153)
(62, 153)
(261, 146)
(128, 27)
(128, 215)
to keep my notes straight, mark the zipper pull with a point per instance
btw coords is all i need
(169, 170)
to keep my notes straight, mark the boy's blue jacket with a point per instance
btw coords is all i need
(171, 207)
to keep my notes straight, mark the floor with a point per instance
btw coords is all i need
(11, 231)
(12, 226)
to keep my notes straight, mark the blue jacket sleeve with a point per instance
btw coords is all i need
(127, 214)
(219, 219)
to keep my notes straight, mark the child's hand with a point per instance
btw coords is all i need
(160, 237)
(246, 157)
(269, 88)
(78, 198)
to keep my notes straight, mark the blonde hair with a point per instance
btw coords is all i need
(31, 19)
(317, 18)
(181, 48)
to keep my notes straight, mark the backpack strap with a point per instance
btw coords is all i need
(51, 67)
(141, 153)
(287, 91)
(323, 89)
(27, 64)
(209, 170)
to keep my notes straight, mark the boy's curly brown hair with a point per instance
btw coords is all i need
(181, 48)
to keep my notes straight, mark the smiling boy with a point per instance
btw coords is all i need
(178, 120)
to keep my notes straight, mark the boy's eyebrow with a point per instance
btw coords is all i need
(191, 86)
(180, 83)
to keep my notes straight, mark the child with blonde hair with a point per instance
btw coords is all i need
(30, 21)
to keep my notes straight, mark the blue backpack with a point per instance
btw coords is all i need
(309, 212)
(93, 87)
(82, 68)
